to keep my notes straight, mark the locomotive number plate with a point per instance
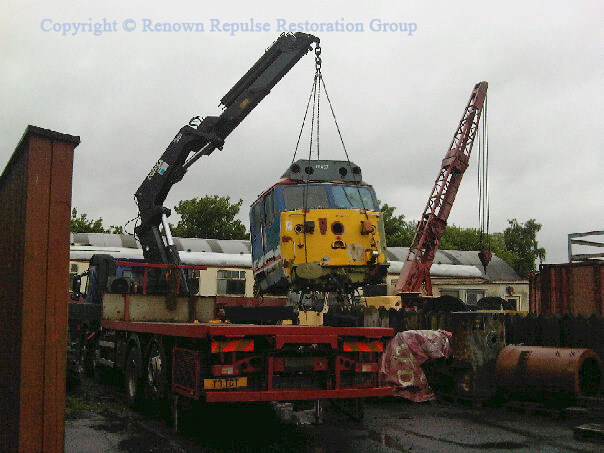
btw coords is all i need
(224, 383)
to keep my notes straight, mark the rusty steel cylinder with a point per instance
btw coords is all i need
(542, 369)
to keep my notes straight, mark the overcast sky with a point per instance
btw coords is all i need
(398, 99)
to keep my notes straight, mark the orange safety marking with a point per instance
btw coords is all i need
(242, 345)
(363, 346)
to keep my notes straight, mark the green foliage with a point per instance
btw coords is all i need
(496, 244)
(517, 245)
(116, 229)
(521, 241)
(457, 238)
(399, 232)
(209, 217)
(81, 224)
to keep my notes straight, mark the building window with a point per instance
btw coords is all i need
(230, 282)
(375, 290)
(514, 302)
(473, 296)
(449, 292)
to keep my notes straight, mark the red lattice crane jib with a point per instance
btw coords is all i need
(416, 269)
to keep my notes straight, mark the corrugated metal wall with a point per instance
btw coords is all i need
(573, 288)
(35, 195)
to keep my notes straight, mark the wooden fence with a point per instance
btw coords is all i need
(35, 195)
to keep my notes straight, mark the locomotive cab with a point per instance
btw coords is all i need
(318, 229)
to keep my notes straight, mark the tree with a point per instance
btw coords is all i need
(521, 241)
(496, 244)
(209, 217)
(116, 229)
(517, 245)
(399, 232)
(81, 224)
(457, 238)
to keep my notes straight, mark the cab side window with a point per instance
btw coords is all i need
(270, 209)
(256, 216)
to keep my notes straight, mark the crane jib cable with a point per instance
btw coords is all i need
(483, 190)
(483, 180)
(317, 89)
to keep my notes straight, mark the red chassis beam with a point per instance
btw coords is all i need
(291, 395)
(201, 330)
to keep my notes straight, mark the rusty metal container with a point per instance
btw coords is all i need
(573, 288)
(537, 370)
(478, 338)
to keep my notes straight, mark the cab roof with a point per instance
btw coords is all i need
(324, 171)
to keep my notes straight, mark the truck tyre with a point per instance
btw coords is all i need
(176, 412)
(156, 372)
(358, 409)
(98, 371)
(87, 354)
(132, 377)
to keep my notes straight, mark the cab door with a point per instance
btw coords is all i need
(271, 227)
(256, 234)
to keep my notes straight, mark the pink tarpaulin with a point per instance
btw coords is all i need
(403, 357)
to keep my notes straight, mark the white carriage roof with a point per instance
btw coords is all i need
(182, 244)
(497, 270)
(447, 263)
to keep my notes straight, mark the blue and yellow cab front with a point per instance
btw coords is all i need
(319, 229)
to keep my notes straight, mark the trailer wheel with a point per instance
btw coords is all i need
(132, 376)
(156, 382)
(98, 371)
(358, 409)
(87, 357)
(175, 412)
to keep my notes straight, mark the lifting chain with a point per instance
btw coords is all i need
(319, 79)
(318, 58)
(314, 98)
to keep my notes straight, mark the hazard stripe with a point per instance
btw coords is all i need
(363, 346)
(243, 345)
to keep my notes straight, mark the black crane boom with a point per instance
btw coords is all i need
(202, 137)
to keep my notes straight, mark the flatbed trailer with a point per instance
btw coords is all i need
(168, 345)
(247, 363)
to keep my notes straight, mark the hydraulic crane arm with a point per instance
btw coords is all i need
(416, 269)
(202, 137)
